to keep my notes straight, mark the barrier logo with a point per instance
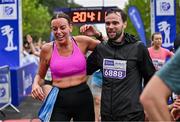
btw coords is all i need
(8, 31)
(165, 28)
(165, 7)
(2, 91)
(8, 10)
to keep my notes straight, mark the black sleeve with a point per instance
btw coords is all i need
(92, 62)
(145, 63)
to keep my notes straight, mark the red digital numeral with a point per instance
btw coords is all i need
(75, 17)
(91, 16)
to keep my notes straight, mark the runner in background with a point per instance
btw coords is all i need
(96, 87)
(158, 54)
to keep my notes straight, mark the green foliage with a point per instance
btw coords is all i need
(36, 16)
(144, 8)
(36, 19)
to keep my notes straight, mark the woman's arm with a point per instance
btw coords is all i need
(37, 91)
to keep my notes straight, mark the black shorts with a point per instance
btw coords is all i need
(74, 102)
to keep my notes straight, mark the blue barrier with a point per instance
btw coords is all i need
(21, 82)
(5, 89)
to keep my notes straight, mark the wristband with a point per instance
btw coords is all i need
(99, 37)
(47, 82)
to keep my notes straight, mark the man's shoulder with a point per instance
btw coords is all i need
(129, 38)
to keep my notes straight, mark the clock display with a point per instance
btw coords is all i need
(85, 15)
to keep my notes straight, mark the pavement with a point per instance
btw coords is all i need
(28, 111)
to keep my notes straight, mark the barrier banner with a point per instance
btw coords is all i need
(4, 85)
(10, 32)
(163, 19)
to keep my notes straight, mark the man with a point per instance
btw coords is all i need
(123, 61)
(155, 95)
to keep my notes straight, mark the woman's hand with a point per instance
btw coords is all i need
(37, 92)
(175, 112)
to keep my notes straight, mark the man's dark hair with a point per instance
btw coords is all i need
(116, 11)
(62, 15)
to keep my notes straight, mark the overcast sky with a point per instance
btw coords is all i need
(95, 3)
(91, 3)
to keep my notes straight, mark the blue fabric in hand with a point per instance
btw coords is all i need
(48, 105)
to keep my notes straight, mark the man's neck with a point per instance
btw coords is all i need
(120, 39)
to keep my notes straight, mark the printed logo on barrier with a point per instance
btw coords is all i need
(7, 1)
(165, 28)
(2, 91)
(27, 81)
(3, 78)
(4, 94)
(164, 7)
(8, 10)
(8, 31)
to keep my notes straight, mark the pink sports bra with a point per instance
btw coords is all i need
(62, 66)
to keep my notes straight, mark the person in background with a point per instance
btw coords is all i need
(66, 58)
(123, 61)
(34, 50)
(158, 54)
(160, 87)
(96, 87)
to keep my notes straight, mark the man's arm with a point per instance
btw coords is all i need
(90, 30)
(145, 63)
(154, 100)
(92, 62)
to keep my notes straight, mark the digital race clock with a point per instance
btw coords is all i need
(85, 14)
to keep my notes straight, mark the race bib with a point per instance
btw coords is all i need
(158, 63)
(114, 68)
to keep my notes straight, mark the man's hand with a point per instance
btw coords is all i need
(89, 30)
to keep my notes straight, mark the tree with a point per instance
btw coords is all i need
(144, 8)
(54, 4)
(36, 19)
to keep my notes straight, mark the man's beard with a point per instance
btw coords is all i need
(118, 34)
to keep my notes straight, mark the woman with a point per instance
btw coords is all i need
(158, 54)
(66, 59)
